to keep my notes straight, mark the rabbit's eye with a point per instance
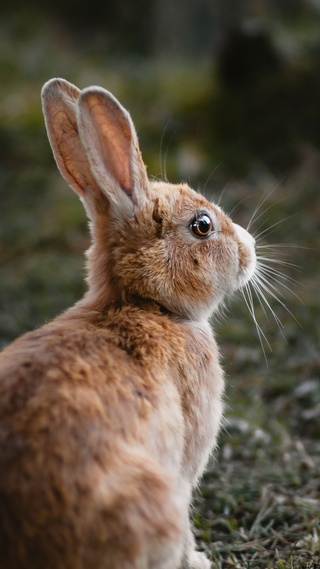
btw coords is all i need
(202, 226)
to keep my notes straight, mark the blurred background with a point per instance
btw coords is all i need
(225, 95)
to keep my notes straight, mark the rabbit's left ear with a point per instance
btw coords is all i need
(111, 145)
(59, 100)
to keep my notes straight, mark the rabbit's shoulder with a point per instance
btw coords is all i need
(126, 355)
(72, 385)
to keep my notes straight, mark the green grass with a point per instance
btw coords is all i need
(258, 506)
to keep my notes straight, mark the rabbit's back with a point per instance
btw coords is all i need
(93, 427)
(114, 374)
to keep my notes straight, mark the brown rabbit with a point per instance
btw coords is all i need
(109, 413)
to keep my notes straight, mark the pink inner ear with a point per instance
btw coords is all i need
(112, 137)
(117, 159)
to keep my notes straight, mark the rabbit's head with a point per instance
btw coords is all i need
(151, 240)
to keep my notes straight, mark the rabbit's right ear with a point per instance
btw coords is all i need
(111, 143)
(59, 99)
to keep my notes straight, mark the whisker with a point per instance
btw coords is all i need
(260, 204)
(262, 298)
(210, 176)
(261, 335)
(252, 304)
(238, 204)
(162, 171)
(280, 246)
(259, 290)
(266, 279)
(221, 195)
(276, 261)
(264, 212)
(166, 156)
(272, 290)
(271, 229)
(274, 256)
(271, 271)
(252, 283)
(270, 282)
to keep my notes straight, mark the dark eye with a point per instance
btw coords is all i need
(202, 225)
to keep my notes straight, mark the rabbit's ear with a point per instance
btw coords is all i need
(59, 108)
(109, 137)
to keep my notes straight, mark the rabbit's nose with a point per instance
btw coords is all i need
(244, 236)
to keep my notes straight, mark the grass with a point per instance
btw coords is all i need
(258, 506)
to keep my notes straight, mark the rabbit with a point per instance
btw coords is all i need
(109, 413)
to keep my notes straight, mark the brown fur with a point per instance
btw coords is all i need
(109, 413)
